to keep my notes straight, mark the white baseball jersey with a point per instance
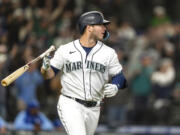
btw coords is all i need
(83, 76)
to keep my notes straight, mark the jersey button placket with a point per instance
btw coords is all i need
(87, 84)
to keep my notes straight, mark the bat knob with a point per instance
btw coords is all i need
(3, 83)
(53, 47)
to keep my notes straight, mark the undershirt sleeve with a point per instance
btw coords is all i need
(120, 81)
(56, 71)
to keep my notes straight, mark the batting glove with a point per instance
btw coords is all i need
(110, 90)
(46, 63)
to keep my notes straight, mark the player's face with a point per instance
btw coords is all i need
(99, 31)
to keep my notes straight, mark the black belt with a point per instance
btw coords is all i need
(83, 102)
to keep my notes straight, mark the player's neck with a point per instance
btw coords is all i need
(86, 41)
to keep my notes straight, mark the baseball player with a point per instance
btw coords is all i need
(87, 65)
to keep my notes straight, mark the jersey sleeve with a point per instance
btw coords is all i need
(57, 61)
(114, 65)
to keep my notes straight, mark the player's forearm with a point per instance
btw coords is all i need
(47, 74)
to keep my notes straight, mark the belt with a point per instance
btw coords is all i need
(83, 102)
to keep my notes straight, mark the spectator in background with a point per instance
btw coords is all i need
(160, 17)
(2, 126)
(65, 36)
(8, 94)
(126, 31)
(32, 119)
(58, 125)
(27, 83)
(162, 80)
(141, 89)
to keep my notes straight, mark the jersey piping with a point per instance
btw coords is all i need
(91, 69)
(82, 68)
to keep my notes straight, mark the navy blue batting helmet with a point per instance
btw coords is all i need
(91, 18)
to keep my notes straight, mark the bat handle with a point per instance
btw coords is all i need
(51, 48)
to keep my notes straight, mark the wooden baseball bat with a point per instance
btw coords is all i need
(13, 76)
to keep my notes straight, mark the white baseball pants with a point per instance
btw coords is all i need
(76, 118)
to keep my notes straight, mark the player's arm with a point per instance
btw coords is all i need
(50, 73)
(118, 78)
(116, 71)
(51, 67)
(120, 81)
(47, 74)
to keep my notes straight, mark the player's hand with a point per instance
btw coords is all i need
(110, 90)
(46, 62)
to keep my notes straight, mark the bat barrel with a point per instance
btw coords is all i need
(9, 79)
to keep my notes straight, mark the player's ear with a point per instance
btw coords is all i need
(89, 28)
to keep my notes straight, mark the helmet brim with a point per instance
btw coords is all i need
(106, 22)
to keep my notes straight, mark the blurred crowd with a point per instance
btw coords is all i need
(145, 34)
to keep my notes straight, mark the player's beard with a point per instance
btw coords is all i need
(98, 36)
